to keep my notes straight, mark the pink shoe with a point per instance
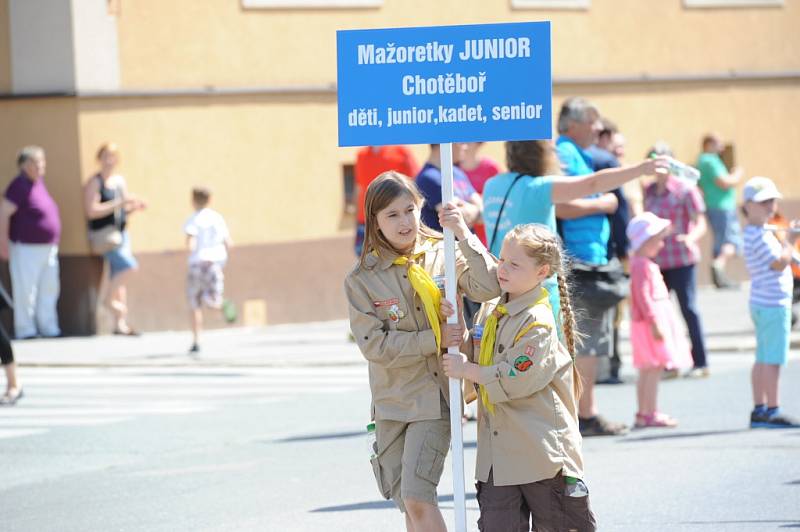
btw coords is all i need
(656, 419)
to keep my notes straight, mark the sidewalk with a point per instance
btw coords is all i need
(725, 316)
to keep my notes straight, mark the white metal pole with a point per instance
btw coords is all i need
(456, 436)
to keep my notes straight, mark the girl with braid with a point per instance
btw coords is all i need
(397, 317)
(529, 446)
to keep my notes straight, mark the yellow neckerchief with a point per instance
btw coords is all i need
(490, 331)
(424, 287)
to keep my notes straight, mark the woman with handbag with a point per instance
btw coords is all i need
(107, 204)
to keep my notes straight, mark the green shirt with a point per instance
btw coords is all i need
(711, 167)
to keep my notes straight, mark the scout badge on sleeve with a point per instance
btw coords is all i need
(523, 363)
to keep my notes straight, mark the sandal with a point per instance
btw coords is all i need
(11, 399)
(656, 419)
(129, 332)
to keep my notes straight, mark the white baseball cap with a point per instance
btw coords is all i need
(760, 189)
(643, 227)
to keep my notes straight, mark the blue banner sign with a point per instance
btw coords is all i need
(444, 84)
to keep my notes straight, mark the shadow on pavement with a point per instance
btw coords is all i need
(382, 505)
(680, 435)
(787, 523)
(319, 437)
(341, 436)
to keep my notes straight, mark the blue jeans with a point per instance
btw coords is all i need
(725, 228)
(682, 281)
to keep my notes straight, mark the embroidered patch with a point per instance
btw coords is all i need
(477, 334)
(386, 302)
(529, 350)
(522, 363)
(394, 313)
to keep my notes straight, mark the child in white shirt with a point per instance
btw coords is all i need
(208, 241)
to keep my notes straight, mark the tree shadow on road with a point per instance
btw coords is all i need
(379, 505)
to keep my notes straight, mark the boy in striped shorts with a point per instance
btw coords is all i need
(768, 261)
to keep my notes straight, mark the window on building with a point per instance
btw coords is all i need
(309, 4)
(733, 3)
(550, 4)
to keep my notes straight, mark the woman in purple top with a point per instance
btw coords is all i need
(30, 229)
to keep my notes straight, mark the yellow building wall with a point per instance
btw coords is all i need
(52, 124)
(276, 170)
(5, 48)
(271, 160)
(185, 43)
(759, 118)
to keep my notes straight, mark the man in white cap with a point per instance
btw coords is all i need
(768, 261)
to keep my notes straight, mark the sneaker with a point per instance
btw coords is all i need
(698, 373)
(776, 420)
(611, 380)
(599, 426)
(194, 349)
(229, 311)
(758, 417)
(720, 279)
(668, 374)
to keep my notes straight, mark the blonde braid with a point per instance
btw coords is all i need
(567, 316)
(545, 247)
(571, 334)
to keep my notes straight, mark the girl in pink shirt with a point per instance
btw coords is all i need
(658, 341)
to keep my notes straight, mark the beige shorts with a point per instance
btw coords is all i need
(411, 458)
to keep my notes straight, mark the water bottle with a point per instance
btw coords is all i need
(372, 441)
(576, 487)
(683, 171)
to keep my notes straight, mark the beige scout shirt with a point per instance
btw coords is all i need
(533, 432)
(389, 324)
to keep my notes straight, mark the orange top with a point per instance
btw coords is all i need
(372, 161)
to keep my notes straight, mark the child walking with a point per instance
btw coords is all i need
(208, 241)
(396, 315)
(768, 262)
(657, 340)
(529, 446)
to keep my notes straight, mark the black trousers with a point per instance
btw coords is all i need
(682, 282)
(6, 353)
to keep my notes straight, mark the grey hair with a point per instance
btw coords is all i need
(29, 152)
(660, 148)
(574, 110)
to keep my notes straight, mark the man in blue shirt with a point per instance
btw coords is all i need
(602, 158)
(586, 232)
(429, 182)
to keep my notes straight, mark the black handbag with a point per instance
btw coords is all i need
(601, 286)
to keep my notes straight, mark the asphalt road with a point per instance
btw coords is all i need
(282, 449)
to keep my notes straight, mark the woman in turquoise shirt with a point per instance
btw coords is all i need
(528, 192)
